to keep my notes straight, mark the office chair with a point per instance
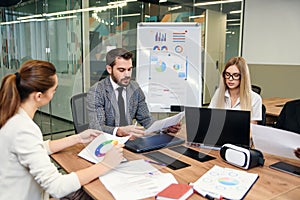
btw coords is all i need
(263, 116)
(79, 112)
(289, 117)
(104, 75)
(256, 89)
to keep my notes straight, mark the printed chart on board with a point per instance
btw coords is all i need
(169, 64)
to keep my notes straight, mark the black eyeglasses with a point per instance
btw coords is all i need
(234, 76)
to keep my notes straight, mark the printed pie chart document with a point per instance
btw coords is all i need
(96, 150)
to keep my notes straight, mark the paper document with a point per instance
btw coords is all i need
(226, 182)
(95, 151)
(165, 123)
(275, 141)
(136, 180)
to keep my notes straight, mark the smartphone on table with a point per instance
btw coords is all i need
(286, 167)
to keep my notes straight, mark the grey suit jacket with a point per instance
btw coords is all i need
(103, 108)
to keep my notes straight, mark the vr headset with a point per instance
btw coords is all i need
(245, 158)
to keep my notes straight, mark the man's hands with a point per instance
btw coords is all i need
(138, 131)
(175, 128)
(88, 135)
(132, 130)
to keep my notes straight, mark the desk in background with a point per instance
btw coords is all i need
(271, 184)
(274, 106)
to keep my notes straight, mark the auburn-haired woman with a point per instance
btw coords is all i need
(26, 171)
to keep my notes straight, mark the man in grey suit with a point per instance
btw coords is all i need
(103, 97)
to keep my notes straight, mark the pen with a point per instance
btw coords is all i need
(135, 124)
(156, 163)
(207, 195)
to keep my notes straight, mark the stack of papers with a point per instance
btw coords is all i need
(96, 150)
(225, 182)
(136, 179)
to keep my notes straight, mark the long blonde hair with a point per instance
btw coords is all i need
(245, 84)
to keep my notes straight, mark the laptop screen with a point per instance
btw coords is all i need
(213, 128)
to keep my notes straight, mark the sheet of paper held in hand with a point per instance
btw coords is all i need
(275, 141)
(95, 151)
(159, 125)
(136, 179)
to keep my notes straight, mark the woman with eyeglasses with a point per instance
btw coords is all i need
(235, 92)
(26, 170)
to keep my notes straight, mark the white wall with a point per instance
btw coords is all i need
(271, 46)
(271, 32)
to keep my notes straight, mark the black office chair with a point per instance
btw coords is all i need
(289, 117)
(256, 89)
(79, 112)
(263, 119)
(104, 75)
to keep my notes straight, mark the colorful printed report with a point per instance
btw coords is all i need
(225, 182)
(96, 150)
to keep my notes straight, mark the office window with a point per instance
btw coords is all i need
(75, 36)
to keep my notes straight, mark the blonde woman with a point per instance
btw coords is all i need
(235, 92)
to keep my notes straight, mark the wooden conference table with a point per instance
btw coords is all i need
(271, 184)
(274, 106)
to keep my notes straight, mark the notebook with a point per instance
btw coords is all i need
(212, 128)
(152, 142)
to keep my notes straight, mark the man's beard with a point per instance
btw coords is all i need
(120, 82)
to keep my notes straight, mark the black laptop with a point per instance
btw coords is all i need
(152, 142)
(212, 128)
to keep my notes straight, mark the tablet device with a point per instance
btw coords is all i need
(196, 155)
(168, 161)
(285, 167)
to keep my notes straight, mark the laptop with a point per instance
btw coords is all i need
(152, 142)
(212, 128)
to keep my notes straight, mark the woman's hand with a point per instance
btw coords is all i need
(88, 135)
(114, 156)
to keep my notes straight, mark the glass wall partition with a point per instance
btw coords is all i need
(41, 30)
(75, 36)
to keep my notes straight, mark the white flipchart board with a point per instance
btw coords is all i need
(169, 64)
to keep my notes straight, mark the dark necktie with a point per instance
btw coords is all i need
(121, 105)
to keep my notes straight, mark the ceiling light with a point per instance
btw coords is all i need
(59, 18)
(29, 17)
(234, 24)
(196, 16)
(233, 20)
(235, 12)
(11, 22)
(174, 8)
(129, 15)
(216, 2)
(119, 2)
